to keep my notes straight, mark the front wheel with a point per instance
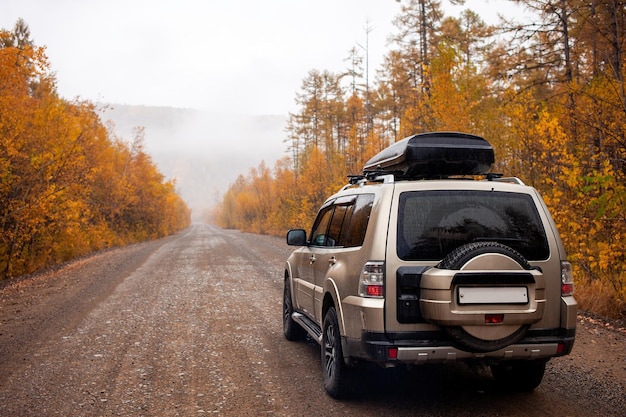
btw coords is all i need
(334, 369)
(522, 376)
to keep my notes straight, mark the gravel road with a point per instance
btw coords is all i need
(190, 325)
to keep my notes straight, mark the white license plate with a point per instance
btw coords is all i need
(493, 295)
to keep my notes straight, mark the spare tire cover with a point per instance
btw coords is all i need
(473, 256)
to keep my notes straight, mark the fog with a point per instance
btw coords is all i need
(203, 152)
(235, 61)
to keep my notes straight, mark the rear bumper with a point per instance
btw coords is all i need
(435, 347)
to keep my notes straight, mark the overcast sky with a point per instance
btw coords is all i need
(245, 56)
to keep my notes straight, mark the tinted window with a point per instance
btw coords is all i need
(354, 232)
(318, 234)
(433, 223)
(337, 224)
(343, 223)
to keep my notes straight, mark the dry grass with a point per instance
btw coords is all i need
(601, 298)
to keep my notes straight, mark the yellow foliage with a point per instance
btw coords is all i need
(66, 187)
(560, 129)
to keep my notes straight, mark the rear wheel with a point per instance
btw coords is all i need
(522, 376)
(292, 330)
(334, 369)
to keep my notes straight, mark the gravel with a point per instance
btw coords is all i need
(191, 325)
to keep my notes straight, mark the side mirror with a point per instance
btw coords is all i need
(296, 237)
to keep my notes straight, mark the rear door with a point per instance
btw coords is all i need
(431, 223)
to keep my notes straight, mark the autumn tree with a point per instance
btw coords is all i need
(417, 24)
(548, 94)
(66, 187)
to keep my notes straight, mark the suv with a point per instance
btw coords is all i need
(428, 258)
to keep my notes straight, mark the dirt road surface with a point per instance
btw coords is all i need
(191, 325)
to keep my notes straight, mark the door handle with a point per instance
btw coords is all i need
(332, 261)
(311, 259)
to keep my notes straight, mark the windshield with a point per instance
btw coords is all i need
(433, 223)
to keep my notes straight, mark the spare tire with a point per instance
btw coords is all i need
(462, 258)
(459, 257)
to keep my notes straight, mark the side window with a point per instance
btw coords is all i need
(341, 213)
(353, 233)
(344, 223)
(320, 227)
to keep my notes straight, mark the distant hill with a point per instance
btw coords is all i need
(204, 152)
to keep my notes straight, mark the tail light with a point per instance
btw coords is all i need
(567, 279)
(372, 280)
(392, 352)
(494, 318)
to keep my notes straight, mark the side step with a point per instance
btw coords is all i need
(309, 325)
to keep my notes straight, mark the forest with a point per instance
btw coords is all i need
(549, 94)
(68, 185)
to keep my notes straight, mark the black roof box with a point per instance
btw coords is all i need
(434, 155)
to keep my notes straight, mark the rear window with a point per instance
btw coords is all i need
(433, 223)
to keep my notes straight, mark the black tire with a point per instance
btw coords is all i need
(463, 254)
(467, 342)
(334, 370)
(292, 330)
(522, 376)
(455, 260)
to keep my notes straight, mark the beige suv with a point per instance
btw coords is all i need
(428, 258)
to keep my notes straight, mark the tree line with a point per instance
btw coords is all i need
(68, 184)
(548, 93)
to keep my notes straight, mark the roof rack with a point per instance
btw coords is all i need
(372, 176)
(510, 180)
(384, 177)
(387, 177)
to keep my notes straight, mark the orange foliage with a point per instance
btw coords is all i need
(66, 187)
(559, 127)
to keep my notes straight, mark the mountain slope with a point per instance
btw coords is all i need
(204, 152)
